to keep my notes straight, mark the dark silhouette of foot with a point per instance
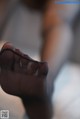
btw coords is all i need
(20, 75)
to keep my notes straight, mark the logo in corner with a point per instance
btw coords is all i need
(4, 114)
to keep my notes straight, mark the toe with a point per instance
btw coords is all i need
(43, 69)
(18, 64)
(32, 68)
(6, 59)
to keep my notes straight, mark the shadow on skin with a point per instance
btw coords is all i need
(21, 76)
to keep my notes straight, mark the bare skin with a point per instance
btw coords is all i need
(55, 51)
(32, 88)
(21, 76)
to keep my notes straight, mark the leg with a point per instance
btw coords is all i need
(57, 37)
(26, 78)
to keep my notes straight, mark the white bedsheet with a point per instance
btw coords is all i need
(67, 93)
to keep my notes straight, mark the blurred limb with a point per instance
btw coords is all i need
(56, 51)
(22, 76)
(6, 9)
(58, 38)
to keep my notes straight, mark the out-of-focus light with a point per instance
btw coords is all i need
(67, 2)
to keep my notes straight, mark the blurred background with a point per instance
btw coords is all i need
(20, 24)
